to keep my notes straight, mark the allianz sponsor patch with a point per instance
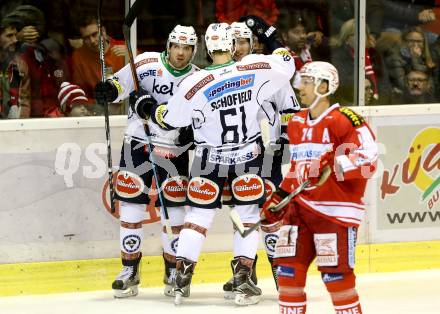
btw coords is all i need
(284, 271)
(198, 86)
(355, 119)
(330, 277)
(253, 66)
(232, 84)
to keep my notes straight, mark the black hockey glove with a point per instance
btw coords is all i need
(266, 33)
(105, 92)
(141, 103)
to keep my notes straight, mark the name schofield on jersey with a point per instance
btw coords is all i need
(231, 100)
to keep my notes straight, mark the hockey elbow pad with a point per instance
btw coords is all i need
(266, 33)
(141, 103)
(105, 92)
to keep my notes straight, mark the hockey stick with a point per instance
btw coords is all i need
(245, 232)
(128, 21)
(106, 114)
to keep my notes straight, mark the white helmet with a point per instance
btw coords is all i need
(185, 35)
(219, 36)
(241, 30)
(320, 71)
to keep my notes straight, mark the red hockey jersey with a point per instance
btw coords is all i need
(345, 136)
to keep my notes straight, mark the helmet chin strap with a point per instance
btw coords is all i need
(318, 95)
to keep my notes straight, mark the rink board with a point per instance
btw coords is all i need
(53, 209)
(97, 274)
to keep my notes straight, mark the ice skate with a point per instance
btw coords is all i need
(169, 279)
(185, 270)
(127, 282)
(228, 287)
(245, 289)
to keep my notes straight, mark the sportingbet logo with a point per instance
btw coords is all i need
(230, 85)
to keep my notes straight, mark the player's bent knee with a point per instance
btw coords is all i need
(131, 213)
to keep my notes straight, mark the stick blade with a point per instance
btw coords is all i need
(233, 214)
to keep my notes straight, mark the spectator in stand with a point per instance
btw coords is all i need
(229, 11)
(341, 11)
(343, 60)
(45, 58)
(86, 67)
(369, 92)
(412, 53)
(294, 36)
(73, 101)
(313, 17)
(418, 87)
(15, 90)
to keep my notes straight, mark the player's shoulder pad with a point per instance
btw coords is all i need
(195, 82)
(299, 116)
(147, 57)
(353, 117)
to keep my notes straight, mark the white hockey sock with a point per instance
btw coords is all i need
(270, 234)
(247, 246)
(131, 240)
(197, 223)
(177, 215)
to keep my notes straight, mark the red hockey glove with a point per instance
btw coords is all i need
(270, 216)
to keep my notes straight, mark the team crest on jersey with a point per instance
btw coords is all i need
(198, 86)
(355, 119)
(128, 184)
(232, 84)
(248, 187)
(145, 61)
(202, 191)
(253, 66)
(174, 189)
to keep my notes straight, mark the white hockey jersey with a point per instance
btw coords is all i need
(161, 81)
(223, 102)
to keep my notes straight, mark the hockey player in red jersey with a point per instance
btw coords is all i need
(322, 221)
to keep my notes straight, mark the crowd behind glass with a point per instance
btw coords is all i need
(50, 58)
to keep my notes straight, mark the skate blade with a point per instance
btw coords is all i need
(129, 292)
(243, 299)
(229, 295)
(169, 291)
(178, 299)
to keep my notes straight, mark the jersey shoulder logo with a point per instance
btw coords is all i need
(145, 61)
(253, 66)
(198, 86)
(355, 119)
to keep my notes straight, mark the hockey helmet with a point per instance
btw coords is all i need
(241, 30)
(321, 71)
(185, 35)
(219, 37)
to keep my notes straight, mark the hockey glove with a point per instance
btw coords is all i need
(141, 103)
(266, 33)
(270, 216)
(105, 92)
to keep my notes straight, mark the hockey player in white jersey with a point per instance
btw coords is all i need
(222, 103)
(159, 74)
(282, 105)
